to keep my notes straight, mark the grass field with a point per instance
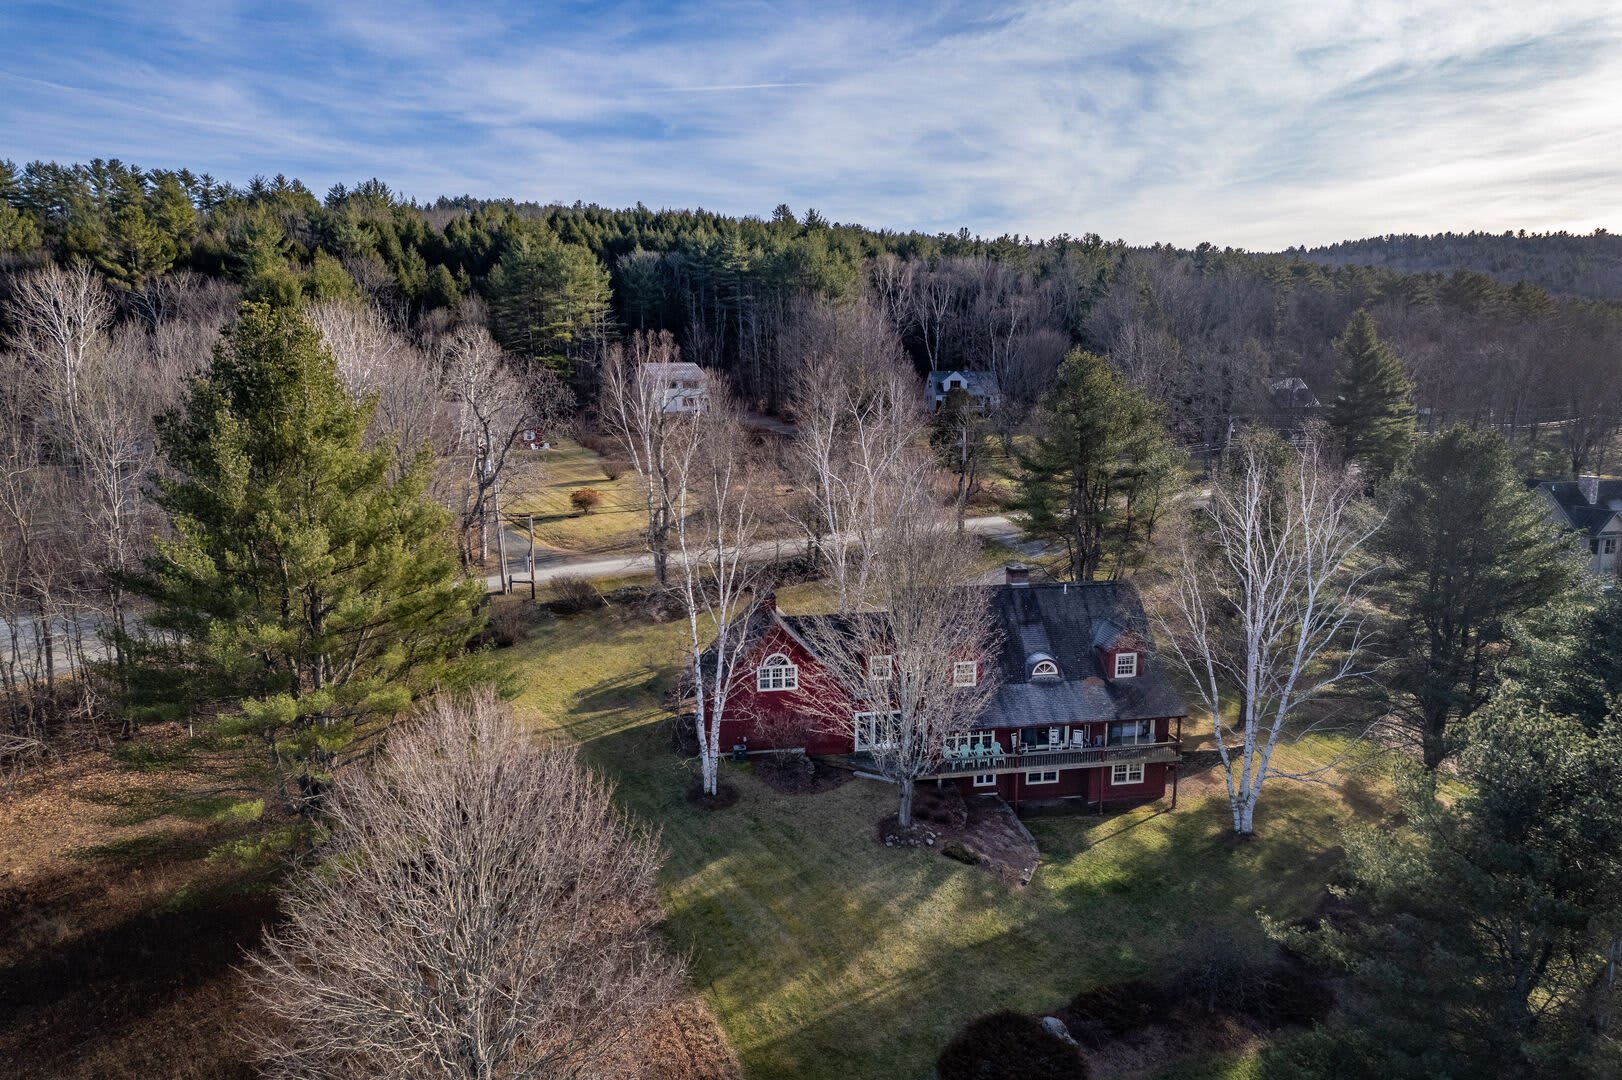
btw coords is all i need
(542, 483)
(827, 955)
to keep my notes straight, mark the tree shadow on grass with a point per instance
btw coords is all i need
(884, 997)
(93, 997)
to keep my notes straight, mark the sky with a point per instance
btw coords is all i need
(1257, 125)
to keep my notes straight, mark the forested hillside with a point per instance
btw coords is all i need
(1204, 330)
(1564, 264)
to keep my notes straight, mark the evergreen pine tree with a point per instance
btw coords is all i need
(300, 584)
(1492, 915)
(1468, 549)
(1099, 470)
(547, 298)
(1372, 411)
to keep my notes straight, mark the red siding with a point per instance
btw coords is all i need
(750, 711)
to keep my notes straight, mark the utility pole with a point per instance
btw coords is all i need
(532, 556)
(501, 549)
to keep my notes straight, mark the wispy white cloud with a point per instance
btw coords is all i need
(1249, 123)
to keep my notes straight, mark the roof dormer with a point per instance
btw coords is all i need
(1041, 665)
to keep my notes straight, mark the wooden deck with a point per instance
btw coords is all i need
(1068, 758)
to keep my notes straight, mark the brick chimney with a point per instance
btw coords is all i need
(1017, 574)
(1589, 486)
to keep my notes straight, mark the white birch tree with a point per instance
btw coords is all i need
(858, 452)
(718, 483)
(1265, 600)
(632, 407)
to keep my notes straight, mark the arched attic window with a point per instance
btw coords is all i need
(778, 672)
(1044, 666)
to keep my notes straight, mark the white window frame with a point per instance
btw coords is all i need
(1126, 665)
(1607, 545)
(972, 670)
(777, 674)
(970, 739)
(1045, 669)
(1042, 776)
(985, 779)
(1132, 771)
(881, 668)
(866, 730)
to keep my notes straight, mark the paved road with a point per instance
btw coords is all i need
(551, 567)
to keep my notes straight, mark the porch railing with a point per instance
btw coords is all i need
(969, 760)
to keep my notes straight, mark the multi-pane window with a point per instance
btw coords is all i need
(1126, 665)
(1131, 732)
(876, 731)
(777, 673)
(985, 779)
(965, 673)
(880, 668)
(1043, 776)
(973, 740)
(1127, 774)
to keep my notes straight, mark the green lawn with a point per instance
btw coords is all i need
(542, 483)
(826, 955)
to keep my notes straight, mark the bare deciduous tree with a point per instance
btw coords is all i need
(718, 482)
(892, 680)
(1264, 599)
(375, 359)
(483, 911)
(633, 408)
(860, 425)
(493, 408)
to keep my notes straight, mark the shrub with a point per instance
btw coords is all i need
(598, 444)
(574, 594)
(614, 468)
(510, 624)
(584, 500)
(1009, 1044)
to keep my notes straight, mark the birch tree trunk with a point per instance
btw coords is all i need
(1264, 601)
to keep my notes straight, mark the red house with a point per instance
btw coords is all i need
(1083, 712)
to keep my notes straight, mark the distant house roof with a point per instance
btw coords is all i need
(1292, 393)
(1064, 624)
(1587, 505)
(978, 384)
(677, 371)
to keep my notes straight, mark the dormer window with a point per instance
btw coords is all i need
(880, 668)
(1045, 669)
(777, 673)
(1126, 665)
(965, 673)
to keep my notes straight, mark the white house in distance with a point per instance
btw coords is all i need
(981, 386)
(1592, 507)
(685, 387)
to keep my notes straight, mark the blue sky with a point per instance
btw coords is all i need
(1254, 124)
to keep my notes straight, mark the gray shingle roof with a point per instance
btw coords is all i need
(1072, 618)
(976, 383)
(1574, 507)
(1065, 621)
